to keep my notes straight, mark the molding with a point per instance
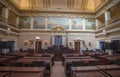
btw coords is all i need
(9, 6)
(11, 32)
(105, 8)
(64, 14)
(4, 24)
(109, 31)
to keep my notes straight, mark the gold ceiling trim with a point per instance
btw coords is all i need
(58, 6)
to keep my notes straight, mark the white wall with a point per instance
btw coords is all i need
(45, 37)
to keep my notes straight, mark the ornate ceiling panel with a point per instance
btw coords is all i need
(77, 4)
(89, 6)
(38, 4)
(58, 4)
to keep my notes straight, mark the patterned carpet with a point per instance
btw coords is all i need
(58, 70)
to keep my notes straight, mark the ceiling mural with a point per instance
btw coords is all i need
(60, 5)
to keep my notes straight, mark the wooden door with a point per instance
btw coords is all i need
(38, 46)
(77, 46)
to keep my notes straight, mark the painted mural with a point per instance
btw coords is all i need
(77, 23)
(58, 21)
(25, 22)
(39, 23)
(90, 24)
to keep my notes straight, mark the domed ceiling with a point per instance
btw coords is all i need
(60, 5)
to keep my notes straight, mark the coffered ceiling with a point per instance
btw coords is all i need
(90, 6)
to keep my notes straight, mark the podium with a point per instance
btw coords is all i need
(77, 44)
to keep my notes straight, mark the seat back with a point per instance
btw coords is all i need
(17, 64)
(118, 61)
(92, 63)
(38, 63)
(77, 63)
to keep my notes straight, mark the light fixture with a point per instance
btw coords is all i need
(37, 37)
(104, 32)
(78, 38)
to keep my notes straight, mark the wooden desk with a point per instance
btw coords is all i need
(18, 74)
(113, 70)
(2, 74)
(20, 54)
(48, 62)
(42, 55)
(37, 57)
(87, 60)
(110, 59)
(109, 66)
(23, 71)
(79, 57)
(3, 59)
(86, 71)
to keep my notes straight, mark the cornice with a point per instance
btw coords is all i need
(64, 14)
(50, 31)
(9, 6)
(106, 7)
(68, 13)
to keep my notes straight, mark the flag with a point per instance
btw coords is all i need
(50, 40)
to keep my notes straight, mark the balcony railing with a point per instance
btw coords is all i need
(12, 23)
(101, 26)
(115, 19)
(3, 19)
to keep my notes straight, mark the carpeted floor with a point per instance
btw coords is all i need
(58, 70)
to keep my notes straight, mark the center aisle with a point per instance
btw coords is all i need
(58, 70)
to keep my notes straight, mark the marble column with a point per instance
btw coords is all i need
(32, 22)
(97, 23)
(70, 23)
(5, 13)
(83, 22)
(107, 17)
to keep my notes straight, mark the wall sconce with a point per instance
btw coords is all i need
(37, 37)
(78, 38)
(70, 43)
(26, 42)
(31, 41)
(104, 32)
(45, 43)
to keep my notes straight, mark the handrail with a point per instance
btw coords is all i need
(114, 19)
(3, 19)
(100, 26)
(12, 23)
